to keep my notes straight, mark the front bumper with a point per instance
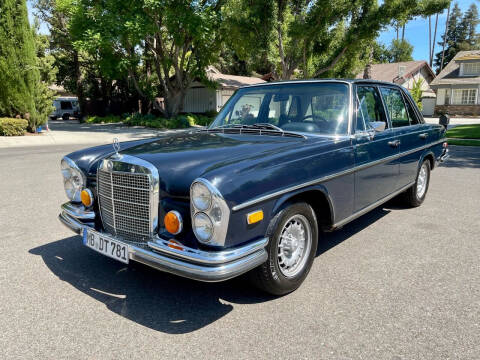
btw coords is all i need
(210, 266)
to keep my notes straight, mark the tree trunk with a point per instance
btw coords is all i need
(333, 63)
(174, 103)
(445, 38)
(430, 39)
(403, 32)
(281, 53)
(433, 41)
(79, 85)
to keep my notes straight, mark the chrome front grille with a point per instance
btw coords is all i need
(127, 199)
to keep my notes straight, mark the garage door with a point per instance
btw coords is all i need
(428, 106)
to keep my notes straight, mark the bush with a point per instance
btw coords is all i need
(152, 121)
(109, 119)
(13, 127)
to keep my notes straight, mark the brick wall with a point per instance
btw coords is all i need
(458, 110)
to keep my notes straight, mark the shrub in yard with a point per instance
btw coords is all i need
(13, 127)
(109, 119)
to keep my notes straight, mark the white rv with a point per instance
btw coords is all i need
(65, 107)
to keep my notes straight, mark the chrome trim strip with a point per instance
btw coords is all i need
(332, 176)
(372, 206)
(208, 257)
(78, 212)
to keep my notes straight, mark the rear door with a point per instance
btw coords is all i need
(410, 130)
(375, 151)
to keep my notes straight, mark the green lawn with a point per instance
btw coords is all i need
(463, 142)
(465, 132)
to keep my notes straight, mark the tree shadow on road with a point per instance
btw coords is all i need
(463, 157)
(158, 300)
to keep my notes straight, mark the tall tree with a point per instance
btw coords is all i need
(18, 72)
(400, 50)
(178, 38)
(460, 35)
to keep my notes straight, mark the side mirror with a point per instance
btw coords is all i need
(378, 126)
(444, 120)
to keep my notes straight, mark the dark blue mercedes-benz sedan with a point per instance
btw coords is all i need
(281, 163)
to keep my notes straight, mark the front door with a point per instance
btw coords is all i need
(376, 147)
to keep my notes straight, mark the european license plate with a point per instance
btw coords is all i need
(106, 245)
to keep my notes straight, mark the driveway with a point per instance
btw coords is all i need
(394, 284)
(72, 132)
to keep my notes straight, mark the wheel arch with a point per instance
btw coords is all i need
(317, 197)
(428, 155)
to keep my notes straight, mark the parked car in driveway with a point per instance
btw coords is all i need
(281, 163)
(65, 107)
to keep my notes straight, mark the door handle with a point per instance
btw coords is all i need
(423, 135)
(395, 143)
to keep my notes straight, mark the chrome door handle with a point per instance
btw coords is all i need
(423, 135)
(394, 143)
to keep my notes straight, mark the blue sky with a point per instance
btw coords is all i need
(416, 31)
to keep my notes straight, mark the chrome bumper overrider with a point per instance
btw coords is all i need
(195, 264)
(444, 155)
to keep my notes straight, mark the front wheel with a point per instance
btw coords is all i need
(416, 194)
(293, 235)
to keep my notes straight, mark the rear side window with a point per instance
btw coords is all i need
(412, 115)
(395, 105)
(369, 107)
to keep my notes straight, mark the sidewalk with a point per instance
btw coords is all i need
(72, 132)
(454, 121)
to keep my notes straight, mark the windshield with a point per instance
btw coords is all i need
(320, 108)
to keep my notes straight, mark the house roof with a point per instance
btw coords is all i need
(389, 71)
(450, 74)
(231, 81)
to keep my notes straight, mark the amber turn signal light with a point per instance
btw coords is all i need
(87, 197)
(254, 217)
(173, 222)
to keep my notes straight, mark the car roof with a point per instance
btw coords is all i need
(303, 81)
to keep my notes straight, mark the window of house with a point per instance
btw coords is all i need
(395, 107)
(464, 96)
(471, 68)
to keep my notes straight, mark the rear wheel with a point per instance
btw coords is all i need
(293, 235)
(416, 194)
(66, 116)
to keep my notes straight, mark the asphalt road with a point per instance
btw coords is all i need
(395, 284)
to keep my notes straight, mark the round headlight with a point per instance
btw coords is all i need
(201, 196)
(73, 180)
(202, 227)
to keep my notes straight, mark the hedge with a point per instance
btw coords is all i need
(13, 127)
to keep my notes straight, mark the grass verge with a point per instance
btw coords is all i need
(463, 142)
(464, 132)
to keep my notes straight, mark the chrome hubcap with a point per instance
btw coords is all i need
(294, 246)
(422, 181)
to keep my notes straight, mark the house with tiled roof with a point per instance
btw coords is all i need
(201, 98)
(458, 84)
(406, 73)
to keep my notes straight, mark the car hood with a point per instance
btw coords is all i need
(184, 157)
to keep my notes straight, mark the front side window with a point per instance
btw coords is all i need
(320, 108)
(464, 96)
(369, 108)
(395, 107)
